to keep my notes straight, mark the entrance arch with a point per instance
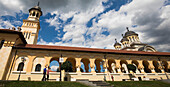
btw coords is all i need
(136, 64)
(156, 65)
(124, 68)
(165, 64)
(54, 64)
(86, 63)
(146, 66)
(112, 66)
(99, 66)
(73, 62)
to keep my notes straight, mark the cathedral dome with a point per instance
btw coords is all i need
(117, 44)
(130, 33)
(124, 39)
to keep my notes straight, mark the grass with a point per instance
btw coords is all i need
(140, 84)
(76, 84)
(39, 84)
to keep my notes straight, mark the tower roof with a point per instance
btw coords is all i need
(129, 33)
(36, 8)
(117, 43)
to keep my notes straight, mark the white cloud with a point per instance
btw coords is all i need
(54, 68)
(150, 16)
(147, 15)
(5, 24)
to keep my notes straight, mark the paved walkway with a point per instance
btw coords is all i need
(168, 81)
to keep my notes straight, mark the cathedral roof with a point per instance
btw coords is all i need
(124, 39)
(141, 49)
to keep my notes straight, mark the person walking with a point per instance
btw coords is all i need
(44, 74)
(48, 73)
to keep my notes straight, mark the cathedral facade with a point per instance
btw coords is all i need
(22, 58)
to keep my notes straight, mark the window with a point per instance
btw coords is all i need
(29, 35)
(26, 35)
(33, 14)
(38, 68)
(20, 66)
(1, 44)
(37, 15)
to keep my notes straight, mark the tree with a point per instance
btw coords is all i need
(131, 67)
(67, 66)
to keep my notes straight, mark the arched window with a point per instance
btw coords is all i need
(20, 66)
(37, 15)
(1, 44)
(38, 68)
(33, 14)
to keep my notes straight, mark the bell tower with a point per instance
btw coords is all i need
(31, 25)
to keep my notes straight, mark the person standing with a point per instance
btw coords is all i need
(44, 74)
(48, 73)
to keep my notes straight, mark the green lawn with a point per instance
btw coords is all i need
(140, 84)
(39, 84)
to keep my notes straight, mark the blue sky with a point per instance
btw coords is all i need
(93, 23)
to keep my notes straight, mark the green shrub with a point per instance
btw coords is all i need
(131, 67)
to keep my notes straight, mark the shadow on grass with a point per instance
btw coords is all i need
(39, 84)
(139, 84)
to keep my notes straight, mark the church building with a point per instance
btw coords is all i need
(22, 58)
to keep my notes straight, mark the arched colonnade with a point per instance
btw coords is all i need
(92, 65)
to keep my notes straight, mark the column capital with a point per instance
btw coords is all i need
(30, 56)
(30, 63)
(140, 66)
(117, 64)
(129, 61)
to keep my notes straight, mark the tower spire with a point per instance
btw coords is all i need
(115, 40)
(38, 3)
(127, 28)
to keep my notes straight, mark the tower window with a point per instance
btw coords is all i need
(26, 35)
(1, 44)
(20, 66)
(33, 14)
(38, 68)
(37, 15)
(29, 35)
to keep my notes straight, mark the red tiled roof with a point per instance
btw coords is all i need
(50, 47)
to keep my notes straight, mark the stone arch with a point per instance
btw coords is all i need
(146, 66)
(38, 60)
(98, 64)
(54, 64)
(18, 61)
(123, 64)
(112, 66)
(136, 64)
(165, 64)
(86, 63)
(156, 65)
(73, 62)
